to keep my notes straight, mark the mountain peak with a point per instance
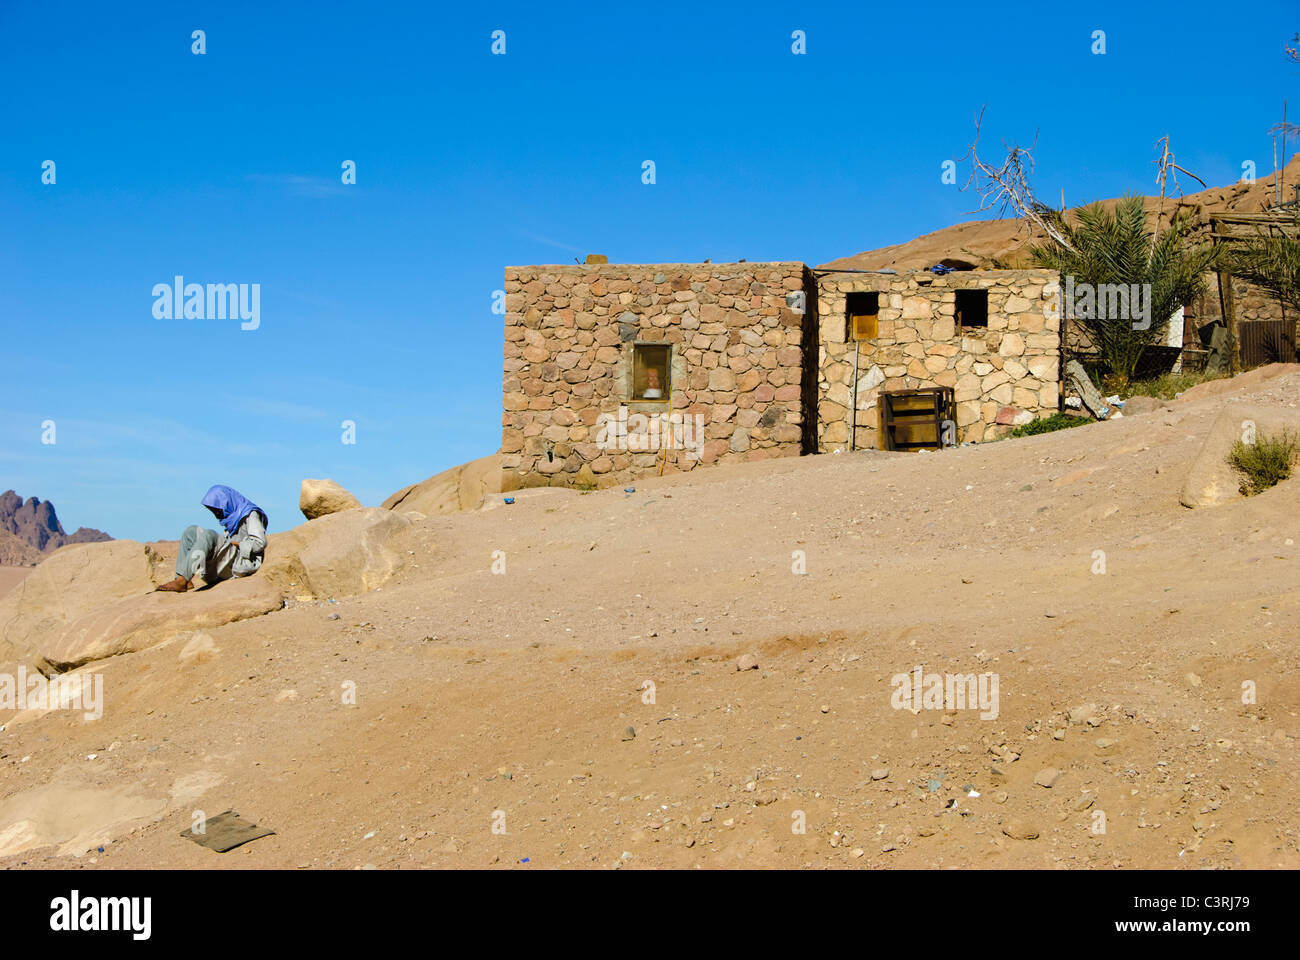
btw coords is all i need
(33, 530)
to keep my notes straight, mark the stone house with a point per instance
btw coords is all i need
(993, 336)
(614, 371)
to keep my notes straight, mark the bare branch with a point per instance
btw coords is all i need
(1169, 169)
(1289, 131)
(1007, 186)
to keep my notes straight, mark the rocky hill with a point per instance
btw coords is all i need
(30, 530)
(1005, 243)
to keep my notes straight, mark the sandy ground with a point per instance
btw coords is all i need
(10, 577)
(491, 711)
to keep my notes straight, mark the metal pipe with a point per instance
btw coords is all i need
(853, 418)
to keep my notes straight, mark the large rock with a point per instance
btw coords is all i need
(460, 488)
(97, 600)
(134, 623)
(67, 586)
(1210, 479)
(343, 553)
(321, 497)
(1136, 406)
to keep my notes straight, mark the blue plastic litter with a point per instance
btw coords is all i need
(525, 859)
(629, 489)
(940, 269)
(510, 499)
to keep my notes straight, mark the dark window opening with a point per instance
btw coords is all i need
(863, 312)
(972, 308)
(650, 372)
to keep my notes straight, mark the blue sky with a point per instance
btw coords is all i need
(376, 298)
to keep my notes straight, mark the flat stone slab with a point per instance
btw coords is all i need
(134, 623)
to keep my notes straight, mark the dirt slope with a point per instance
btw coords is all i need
(485, 698)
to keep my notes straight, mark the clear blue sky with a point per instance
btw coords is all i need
(376, 297)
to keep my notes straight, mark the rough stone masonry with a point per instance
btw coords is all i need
(747, 361)
(1004, 373)
(735, 335)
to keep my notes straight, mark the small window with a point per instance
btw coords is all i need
(972, 308)
(650, 370)
(863, 311)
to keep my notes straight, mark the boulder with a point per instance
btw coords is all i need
(1136, 406)
(97, 600)
(346, 553)
(1210, 480)
(321, 497)
(134, 623)
(67, 586)
(460, 488)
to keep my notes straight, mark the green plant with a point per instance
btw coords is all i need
(1057, 421)
(1113, 248)
(1169, 385)
(1271, 262)
(1266, 462)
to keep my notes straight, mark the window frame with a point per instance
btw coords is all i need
(850, 332)
(965, 293)
(641, 349)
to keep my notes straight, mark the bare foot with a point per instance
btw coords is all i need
(179, 585)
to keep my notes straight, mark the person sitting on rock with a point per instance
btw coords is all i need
(236, 552)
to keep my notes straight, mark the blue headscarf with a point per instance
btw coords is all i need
(233, 506)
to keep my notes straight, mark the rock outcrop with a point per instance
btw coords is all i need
(460, 488)
(340, 554)
(97, 600)
(318, 498)
(17, 553)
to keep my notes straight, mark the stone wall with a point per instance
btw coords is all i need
(1006, 373)
(736, 334)
(1250, 302)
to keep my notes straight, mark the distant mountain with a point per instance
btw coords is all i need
(30, 530)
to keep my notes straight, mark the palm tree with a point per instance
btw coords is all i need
(1115, 247)
(1271, 262)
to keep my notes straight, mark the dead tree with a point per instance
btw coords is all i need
(1007, 186)
(1168, 169)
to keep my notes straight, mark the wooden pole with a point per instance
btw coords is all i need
(1230, 323)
